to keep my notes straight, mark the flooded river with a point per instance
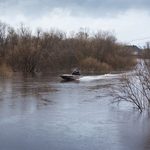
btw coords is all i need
(43, 113)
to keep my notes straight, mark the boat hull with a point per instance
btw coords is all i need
(69, 77)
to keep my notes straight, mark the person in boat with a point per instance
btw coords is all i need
(76, 72)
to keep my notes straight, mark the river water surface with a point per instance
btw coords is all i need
(43, 113)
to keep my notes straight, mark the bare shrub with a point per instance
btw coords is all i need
(135, 87)
(5, 70)
(92, 64)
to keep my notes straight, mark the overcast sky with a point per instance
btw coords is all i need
(129, 20)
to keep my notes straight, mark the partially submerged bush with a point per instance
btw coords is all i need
(135, 87)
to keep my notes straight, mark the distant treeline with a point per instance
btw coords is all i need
(23, 51)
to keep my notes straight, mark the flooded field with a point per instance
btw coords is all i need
(44, 113)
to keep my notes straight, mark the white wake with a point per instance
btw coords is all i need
(99, 77)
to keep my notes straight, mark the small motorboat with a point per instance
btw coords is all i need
(70, 77)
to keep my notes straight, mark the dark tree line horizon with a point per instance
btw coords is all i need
(53, 50)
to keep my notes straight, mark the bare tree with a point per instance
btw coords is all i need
(53, 50)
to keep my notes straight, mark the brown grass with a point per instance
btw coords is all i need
(5, 70)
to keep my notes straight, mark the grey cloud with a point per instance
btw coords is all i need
(76, 7)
